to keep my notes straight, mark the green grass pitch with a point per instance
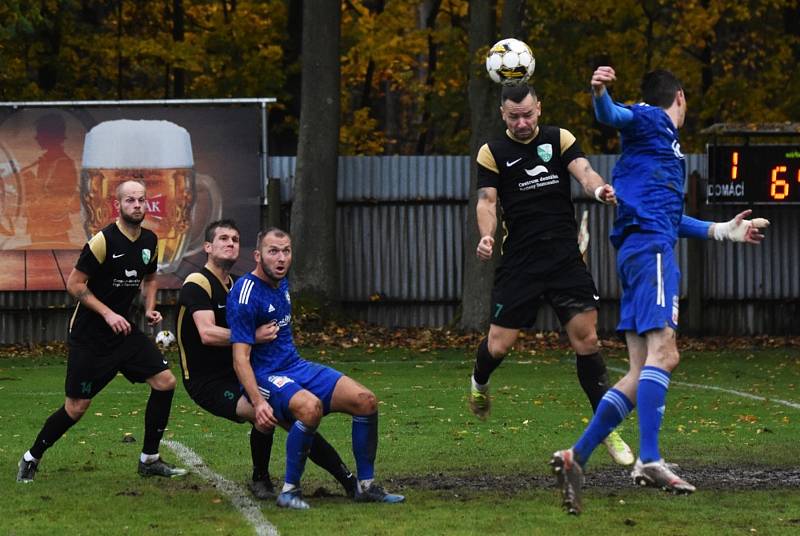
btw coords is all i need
(460, 476)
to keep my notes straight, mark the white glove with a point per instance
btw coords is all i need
(741, 230)
(606, 194)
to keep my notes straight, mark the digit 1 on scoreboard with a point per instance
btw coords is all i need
(778, 188)
(734, 165)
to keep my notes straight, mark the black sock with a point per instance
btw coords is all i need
(54, 427)
(323, 454)
(155, 419)
(484, 363)
(593, 376)
(260, 451)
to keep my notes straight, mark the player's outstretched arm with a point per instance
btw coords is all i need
(602, 76)
(593, 184)
(740, 229)
(606, 110)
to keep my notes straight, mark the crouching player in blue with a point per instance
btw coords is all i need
(648, 179)
(207, 367)
(283, 386)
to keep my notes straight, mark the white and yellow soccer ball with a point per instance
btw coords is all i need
(510, 62)
(165, 338)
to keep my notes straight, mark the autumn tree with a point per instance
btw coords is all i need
(405, 63)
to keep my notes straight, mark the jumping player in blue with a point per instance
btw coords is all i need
(648, 180)
(283, 386)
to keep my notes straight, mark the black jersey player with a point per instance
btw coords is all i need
(103, 339)
(527, 172)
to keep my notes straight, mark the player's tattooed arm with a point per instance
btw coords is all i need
(486, 210)
(78, 289)
(593, 184)
(82, 294)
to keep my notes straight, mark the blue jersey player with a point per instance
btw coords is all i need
(283, 386)
(648, 180)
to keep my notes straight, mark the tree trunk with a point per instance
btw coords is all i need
(315, 277)
(511, 19)
(286, 142)
(179, 83)
(483, 106)
(428, 11)
(119, 49)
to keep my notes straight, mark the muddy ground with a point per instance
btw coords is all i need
(705, 478)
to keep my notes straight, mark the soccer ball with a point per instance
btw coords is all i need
(165, 338)
(510, 62)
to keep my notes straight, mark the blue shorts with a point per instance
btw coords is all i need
(650, 280)
(278, 387)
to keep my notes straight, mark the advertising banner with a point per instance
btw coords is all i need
(57, 185)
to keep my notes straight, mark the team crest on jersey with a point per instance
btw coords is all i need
(545, 152)
(146, 256)
(279, 381)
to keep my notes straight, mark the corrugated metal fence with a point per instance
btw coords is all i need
(401, 224)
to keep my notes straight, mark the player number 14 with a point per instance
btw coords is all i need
(779, 186)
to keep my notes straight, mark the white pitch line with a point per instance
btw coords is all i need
(237, 495)
(793, 405)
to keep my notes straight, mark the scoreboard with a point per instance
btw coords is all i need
(753, 174)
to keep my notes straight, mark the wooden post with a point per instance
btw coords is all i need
(691, 322)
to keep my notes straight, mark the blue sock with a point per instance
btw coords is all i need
(653, 385)
(298, 443)
(365, 444)
(611, 411)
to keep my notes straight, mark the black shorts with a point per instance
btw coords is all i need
(91, 367)
(217, 396)
(565, 284)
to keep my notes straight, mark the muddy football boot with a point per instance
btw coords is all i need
(619, 451)
(262, 489)
(658, 475)
(292, 499)
(480, 404)
(27, 470)
(375, 493)
(160, 468)
(569, 477)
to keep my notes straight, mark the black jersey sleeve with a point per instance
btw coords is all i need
(194, 298)
(92, 255)
(570, 148)
(488, 175)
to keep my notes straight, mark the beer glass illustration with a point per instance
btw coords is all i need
(159, 154)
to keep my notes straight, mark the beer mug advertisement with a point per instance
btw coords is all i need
(60, 169)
